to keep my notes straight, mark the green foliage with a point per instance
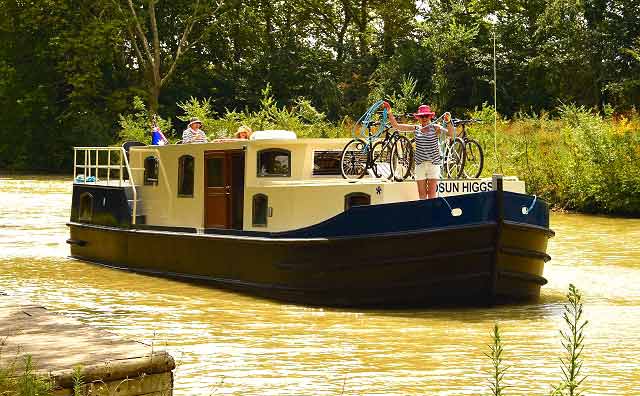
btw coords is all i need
(137, 126)
(406, 100)
(573, 344)
(451, 41)
(302, 118)
(26, 382)
(78, 381)
(200, 109)
(496, 383)
(68, 68)
(577, 161)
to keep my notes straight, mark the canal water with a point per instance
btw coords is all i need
(228, 344)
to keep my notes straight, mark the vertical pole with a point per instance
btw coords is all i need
(120, 169)
(499, 197)
(108, 165)
(495, 102)
(75, 163)
(87, 164)
(97, 162)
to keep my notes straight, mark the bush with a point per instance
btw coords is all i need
(301, 118)
(577, 161)
(138, 125)
(24, 383)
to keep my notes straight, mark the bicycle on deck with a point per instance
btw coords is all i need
(473, 157)
(390, 156)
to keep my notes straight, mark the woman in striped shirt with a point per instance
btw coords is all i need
(427, 156)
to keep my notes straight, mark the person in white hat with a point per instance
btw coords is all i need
(193, 133)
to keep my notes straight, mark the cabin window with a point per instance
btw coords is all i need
(326, 163)
(150, 171)
(260, 210)
(356, 199)
(85, 212)
(274, 163)
(185, 176)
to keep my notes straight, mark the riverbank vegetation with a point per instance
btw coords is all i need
(23, 382)
(573, 158)
(68, 68)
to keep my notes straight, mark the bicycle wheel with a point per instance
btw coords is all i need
(454, 158)
(353, 161)
(473, 159)
(401, 160)
(380, 159)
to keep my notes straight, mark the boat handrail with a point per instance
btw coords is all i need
(122, 165)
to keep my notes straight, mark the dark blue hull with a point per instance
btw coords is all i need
(403, 254)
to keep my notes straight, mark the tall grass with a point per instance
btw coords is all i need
(576, 161)
(26, 382)
(573, 344)
(570, 362)
(498, 369)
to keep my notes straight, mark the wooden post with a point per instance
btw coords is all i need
(498, 187)
(75, 163)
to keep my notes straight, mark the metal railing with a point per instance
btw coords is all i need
(91, 169)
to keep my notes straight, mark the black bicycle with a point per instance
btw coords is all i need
(390, 156)
(472, 151)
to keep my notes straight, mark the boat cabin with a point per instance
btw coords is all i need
(273, 182)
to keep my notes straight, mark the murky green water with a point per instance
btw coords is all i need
(230, 344)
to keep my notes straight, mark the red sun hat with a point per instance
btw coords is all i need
(424, 110)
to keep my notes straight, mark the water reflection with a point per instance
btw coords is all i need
(234, 344)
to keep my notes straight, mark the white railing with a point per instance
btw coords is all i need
(92, 166)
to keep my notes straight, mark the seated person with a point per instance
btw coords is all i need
(193, 133)
(244, 132)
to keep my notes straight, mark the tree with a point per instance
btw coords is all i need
(158, 57)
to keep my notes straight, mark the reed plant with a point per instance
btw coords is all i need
(498, 368)
(573, 345)
(26, 382)
(78, 381)
(570, 363)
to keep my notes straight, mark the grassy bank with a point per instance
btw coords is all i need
(576, 161)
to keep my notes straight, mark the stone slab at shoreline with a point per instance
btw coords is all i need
(110, 364)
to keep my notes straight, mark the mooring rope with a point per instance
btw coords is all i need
(447, 202)
(535, 198)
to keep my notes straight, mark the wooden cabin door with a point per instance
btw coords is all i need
(224, 189)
